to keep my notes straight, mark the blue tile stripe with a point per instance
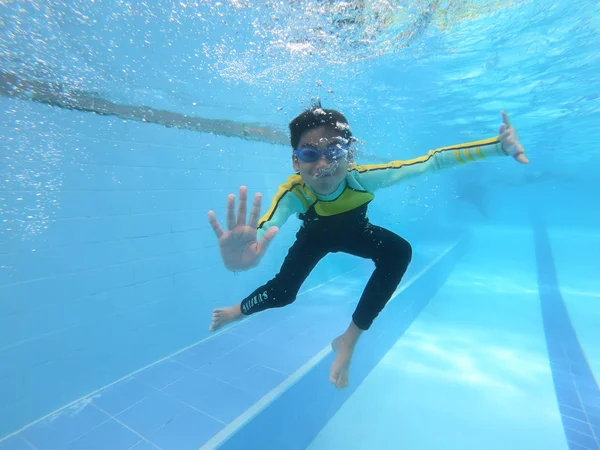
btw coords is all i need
(177, 403)
(576, 388)
(294, 418)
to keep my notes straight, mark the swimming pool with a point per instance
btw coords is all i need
(124, 123)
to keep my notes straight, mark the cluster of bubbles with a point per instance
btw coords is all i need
(163, 51)
(116, 50)
(529, 56)
(138, 51)
(30, 173)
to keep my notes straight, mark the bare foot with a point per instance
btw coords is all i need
(222, 316)
(338, 374)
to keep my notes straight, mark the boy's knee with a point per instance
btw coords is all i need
(285, 300)
(406, 250)
(397, 256)
(283, 297)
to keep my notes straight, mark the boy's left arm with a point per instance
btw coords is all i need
(375, 176)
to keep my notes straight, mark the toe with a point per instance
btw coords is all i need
(333, 377)
(344, 381)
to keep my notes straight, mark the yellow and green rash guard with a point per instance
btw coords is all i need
(361, 182)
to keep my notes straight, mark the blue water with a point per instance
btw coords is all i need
(109, 270)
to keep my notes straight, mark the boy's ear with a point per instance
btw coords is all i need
(295, 163)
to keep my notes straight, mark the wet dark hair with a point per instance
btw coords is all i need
(316, 117)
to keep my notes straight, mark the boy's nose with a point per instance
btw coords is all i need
(322, 162)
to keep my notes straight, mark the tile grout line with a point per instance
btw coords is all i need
(61, 246)
(124, 425)
(97, 391)
(28, 443)
(264, 402)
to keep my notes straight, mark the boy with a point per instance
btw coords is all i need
(331, 194)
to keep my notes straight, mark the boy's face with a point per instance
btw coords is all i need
(323, 176)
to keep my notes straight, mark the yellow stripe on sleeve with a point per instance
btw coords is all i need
(469, 156)
(480, 143)
(392, 164)
(458, 157)
(287, 187)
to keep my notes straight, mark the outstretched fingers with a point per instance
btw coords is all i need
(214, 223)
(230, 215)
(242, 206)
(255, 212)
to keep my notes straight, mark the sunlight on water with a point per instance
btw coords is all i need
(177, 54)
(403, 71)
(278, 47)
(467, 357)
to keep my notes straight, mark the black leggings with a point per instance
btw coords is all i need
(390, 252)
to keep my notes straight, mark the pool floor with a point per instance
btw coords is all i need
(479, 367)
(472, 372)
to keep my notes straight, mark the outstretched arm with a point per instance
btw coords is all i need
(376, 176)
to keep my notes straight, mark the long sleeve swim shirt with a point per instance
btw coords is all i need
(361, 182)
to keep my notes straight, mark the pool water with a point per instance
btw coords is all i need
(124, 123)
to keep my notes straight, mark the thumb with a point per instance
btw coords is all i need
(518, 152)
(522, 158)
(503, 128)
(264, 243)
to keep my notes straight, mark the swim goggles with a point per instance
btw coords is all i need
(332, 152)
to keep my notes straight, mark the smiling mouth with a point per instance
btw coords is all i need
(326, 171)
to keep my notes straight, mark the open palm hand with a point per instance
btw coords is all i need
(239, 247)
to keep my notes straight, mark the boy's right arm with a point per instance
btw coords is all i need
(284, 204)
